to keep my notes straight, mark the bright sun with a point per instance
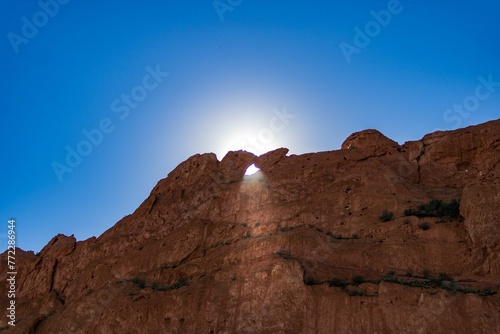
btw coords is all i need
(255, 130)
(247, 141)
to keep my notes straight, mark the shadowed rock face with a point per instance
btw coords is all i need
(296, 248)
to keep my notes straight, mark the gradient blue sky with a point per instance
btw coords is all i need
(227, 80)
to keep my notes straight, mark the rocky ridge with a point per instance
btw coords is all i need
(300, 247)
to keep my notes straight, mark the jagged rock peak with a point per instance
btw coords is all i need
(371, 138)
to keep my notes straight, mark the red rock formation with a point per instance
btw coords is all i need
(296, 248)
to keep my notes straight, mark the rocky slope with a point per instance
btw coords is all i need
(299, 247)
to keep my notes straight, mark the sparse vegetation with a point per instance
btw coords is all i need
(445, 277)
(139, 282)
(406, 222)
(357, 280)
(409, 273)
(310, 281)
(436, 208)
(337, 282)
(386, 216)
(284, 254)
(246, 235)
(180, 283)
(156, 286)
(341, 237)
(424, 226)
(221, 243)
(389, 277)
(487, 292)
(443, 281)
(426, 281)
(286, 228)
(354, 292)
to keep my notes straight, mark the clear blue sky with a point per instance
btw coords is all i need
(254, 74)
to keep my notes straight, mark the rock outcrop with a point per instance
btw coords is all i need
(303, 246)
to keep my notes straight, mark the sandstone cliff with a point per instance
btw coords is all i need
(300, 247)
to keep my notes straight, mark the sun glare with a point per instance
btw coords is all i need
(251, 170)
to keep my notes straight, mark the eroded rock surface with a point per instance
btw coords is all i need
(297, 248)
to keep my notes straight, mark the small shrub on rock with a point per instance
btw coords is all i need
(424, 226)
(386, 216)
